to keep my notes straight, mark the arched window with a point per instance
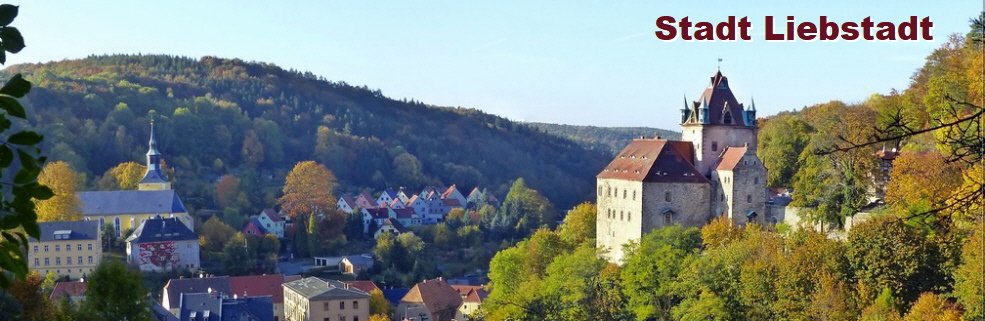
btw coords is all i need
(623, 194)
(116, 225)
(634, 195)
(728, 117)
(667, 196)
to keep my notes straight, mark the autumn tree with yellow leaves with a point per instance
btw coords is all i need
(308, 189)
(123, 176)
(65, 205)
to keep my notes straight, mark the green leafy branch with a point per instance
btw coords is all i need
(20, 155)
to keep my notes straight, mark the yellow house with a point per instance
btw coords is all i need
(126, 209)
(66, 248)
(314, 299)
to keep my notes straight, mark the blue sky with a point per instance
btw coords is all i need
(572, 62)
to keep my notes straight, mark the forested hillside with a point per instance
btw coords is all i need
(611, 139)
(219, 116)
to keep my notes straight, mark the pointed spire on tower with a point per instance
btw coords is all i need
(752, 106)
(152, 144)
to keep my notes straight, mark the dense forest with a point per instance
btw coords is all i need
(611, 139)
(255, 120)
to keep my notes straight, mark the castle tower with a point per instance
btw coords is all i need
(716, 121)
(154, 179)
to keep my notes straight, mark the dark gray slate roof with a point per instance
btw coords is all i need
(226, 309)
(315, 288)
(131, 202)
(161, 230)
(176, 287)
(75, 230)
(395, 295)
(159, 313)
(153, 177)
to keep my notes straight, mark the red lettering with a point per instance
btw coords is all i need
(725, 30)
(705, 31)
(829, 30)
(925, 26)
(866, 31)
(684, 24)
(770, 36)
(668, 32)
(806, 31)
(849, 31)
(744, 25)
(888, 31)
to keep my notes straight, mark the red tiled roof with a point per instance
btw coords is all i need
(365, 286)
(439, 298)
(473, 192)
(471, 293)
(378, 212)
(348, 200)
(396, 225)
(69, 289)
(273, 215)
(259, 285)
(653, 160)
(448, 191)
(405, 213)
(452, 202)
(731, 157)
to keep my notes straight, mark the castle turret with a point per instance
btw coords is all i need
(685, 111)
(154, 178)
(722, 121)
(750, 114)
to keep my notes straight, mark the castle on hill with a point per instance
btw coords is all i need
(712, 171)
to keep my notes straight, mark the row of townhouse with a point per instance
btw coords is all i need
(400, 209)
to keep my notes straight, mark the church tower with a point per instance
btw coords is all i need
(154, 179)
(716, 121)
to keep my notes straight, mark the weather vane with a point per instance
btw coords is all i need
(719, 63)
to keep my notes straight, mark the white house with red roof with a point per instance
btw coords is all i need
(272, 222)
(346, 203)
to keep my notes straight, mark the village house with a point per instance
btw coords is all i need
(72, 249)
(163, 244)
(74, 291)
(346, 203)
(390, 226)
(432, 300)
(472, 297)
(267, 285)
(272, 222)
(215, 306)
(353, 264)
(315, 299)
